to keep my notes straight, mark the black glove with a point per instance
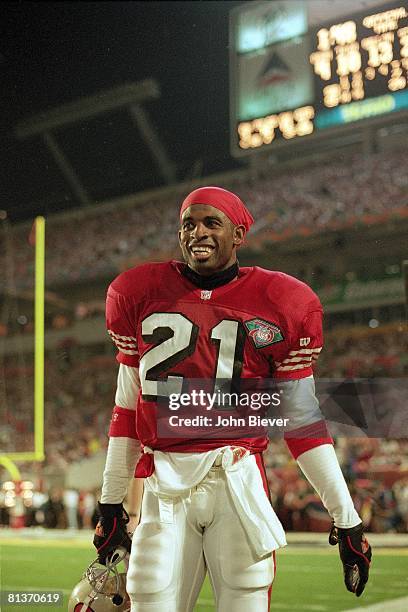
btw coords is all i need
(355, 554)
(110, 532)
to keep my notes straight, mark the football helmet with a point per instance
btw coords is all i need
(102, 588)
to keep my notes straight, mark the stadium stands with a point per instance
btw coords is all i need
(345, 190)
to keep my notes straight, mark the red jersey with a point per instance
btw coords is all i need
(263, 324)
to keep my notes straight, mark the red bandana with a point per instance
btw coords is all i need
(226, 201)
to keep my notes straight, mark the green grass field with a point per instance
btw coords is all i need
(307, 578)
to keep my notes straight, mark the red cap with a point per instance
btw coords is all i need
(226, 201)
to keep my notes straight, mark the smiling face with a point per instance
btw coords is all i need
(208, 239)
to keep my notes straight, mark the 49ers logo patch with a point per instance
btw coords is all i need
(263, 333)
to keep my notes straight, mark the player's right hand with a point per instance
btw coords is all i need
(111, 532)
(355, 554)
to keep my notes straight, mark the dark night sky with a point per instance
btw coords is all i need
(52, 53)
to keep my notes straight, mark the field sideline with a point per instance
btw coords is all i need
(308, 578)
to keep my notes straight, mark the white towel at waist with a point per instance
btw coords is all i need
(262, 526)
(176, 473)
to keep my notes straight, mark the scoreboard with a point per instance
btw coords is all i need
(289, 81)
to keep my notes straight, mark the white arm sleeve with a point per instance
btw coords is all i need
(119, 468)
(298, 402)
(127, 388)
(322, 469)
(122, 451)
(320, 465)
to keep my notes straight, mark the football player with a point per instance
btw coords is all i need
(205, 502)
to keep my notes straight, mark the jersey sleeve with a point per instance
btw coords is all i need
(123, 422)
(307, 427)
(304, 345)
(121, 327)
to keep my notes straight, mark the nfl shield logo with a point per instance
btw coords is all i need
(205, 294)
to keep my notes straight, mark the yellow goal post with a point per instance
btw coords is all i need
(37, 454)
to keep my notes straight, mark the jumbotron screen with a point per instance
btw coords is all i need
(289, 81)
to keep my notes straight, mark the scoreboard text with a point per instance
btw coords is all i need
(332, 75)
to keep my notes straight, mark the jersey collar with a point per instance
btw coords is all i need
(214, 280)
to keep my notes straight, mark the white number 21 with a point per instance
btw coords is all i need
(175, 338)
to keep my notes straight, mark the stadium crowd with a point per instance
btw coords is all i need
(80, 386)
(374, 353)
(343, 191)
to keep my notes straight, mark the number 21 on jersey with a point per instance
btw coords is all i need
(174, 338)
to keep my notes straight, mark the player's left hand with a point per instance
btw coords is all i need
(355, 554)
(111, 531)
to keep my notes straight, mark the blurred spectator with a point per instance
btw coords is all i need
(4, 511)
(70, 500)
(400, 491)
(386, 517)
(52, 513)
(87, 509)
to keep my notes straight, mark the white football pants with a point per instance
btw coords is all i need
(178, 540)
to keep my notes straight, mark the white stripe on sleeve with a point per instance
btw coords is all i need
(119, 337)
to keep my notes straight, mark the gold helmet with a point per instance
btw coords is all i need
(102, 588)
